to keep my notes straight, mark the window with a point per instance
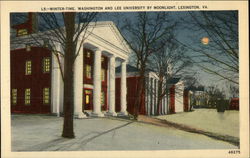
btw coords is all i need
(28, 47)
(28, 67)
(46, 65)
(14, 96)
(87, 99)
(103, 99)
(27, 96)
(22, 32)
(46, 95)
(87, 91)
(88, 71)
(46, 43)
(87, 96)
(103, 75)
(102, 59)
(88, 54)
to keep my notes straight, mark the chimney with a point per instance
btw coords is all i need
(33, 22)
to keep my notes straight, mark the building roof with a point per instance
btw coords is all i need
(130, 68)
(192, 88)
(104, 35)
(174, 80)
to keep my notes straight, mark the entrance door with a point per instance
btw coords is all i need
(88, 99)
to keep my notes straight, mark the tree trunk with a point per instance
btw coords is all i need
(167, 100)
(191, 103)
(139, 91)
(159, 98)
(68, 107)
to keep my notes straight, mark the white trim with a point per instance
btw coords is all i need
(90, 86)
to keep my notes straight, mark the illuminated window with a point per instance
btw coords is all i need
(46, 65)
(87, 96)
(22, 32)
(88, 54)
(14, 96)
(27, 96)
(28, 67)
(88, 71)
(87, 99)
(103, 99)
(103, 75)
(46, 95)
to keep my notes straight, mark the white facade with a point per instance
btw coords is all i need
(179, 104)
(151, 96)
(103, 38)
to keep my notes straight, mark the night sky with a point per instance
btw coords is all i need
(184, 34)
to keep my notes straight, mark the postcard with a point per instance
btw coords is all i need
(124, 79)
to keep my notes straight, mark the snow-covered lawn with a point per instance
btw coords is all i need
(210, 120)
(43, 133)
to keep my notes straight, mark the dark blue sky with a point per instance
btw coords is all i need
(184, 34)
(187, 34)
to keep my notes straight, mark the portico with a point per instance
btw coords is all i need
(104, 45)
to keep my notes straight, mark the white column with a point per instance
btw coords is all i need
(166, 100)
(166, 105)
(56, 80)
(146, 95)
(156, 97)
(189, 99)
(124, 88)
(55, 84)
(97, 84)
(163, 105)
(78, 85)
(151, 95)
(111, 93)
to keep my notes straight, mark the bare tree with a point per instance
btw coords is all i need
(169, 62)
(233, 90)
(68, 29)
(214, 94)
(192, 84)
(218, 54)
(143, 32)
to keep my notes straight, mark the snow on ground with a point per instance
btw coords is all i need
(43, 133)
(210, 120)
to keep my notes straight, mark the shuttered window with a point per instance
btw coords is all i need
(46, 95)
(88, 71)
(14, 96)
(103, 99)
(46, 65)
(27, 96)
(103, 75)
(28, 65)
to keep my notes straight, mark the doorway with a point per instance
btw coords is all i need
(88, 99)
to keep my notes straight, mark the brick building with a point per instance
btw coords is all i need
(37, 84)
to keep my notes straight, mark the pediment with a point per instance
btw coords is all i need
(108, 33)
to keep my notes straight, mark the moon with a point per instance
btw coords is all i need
(205, 40)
